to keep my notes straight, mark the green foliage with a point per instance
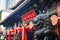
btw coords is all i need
(0, 39)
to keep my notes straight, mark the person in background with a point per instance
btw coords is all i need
(55, 18)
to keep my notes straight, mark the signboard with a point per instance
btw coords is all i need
(29, 15)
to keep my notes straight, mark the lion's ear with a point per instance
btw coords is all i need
(54, 19)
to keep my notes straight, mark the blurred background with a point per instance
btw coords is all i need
(7, 19)
(47, 6)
